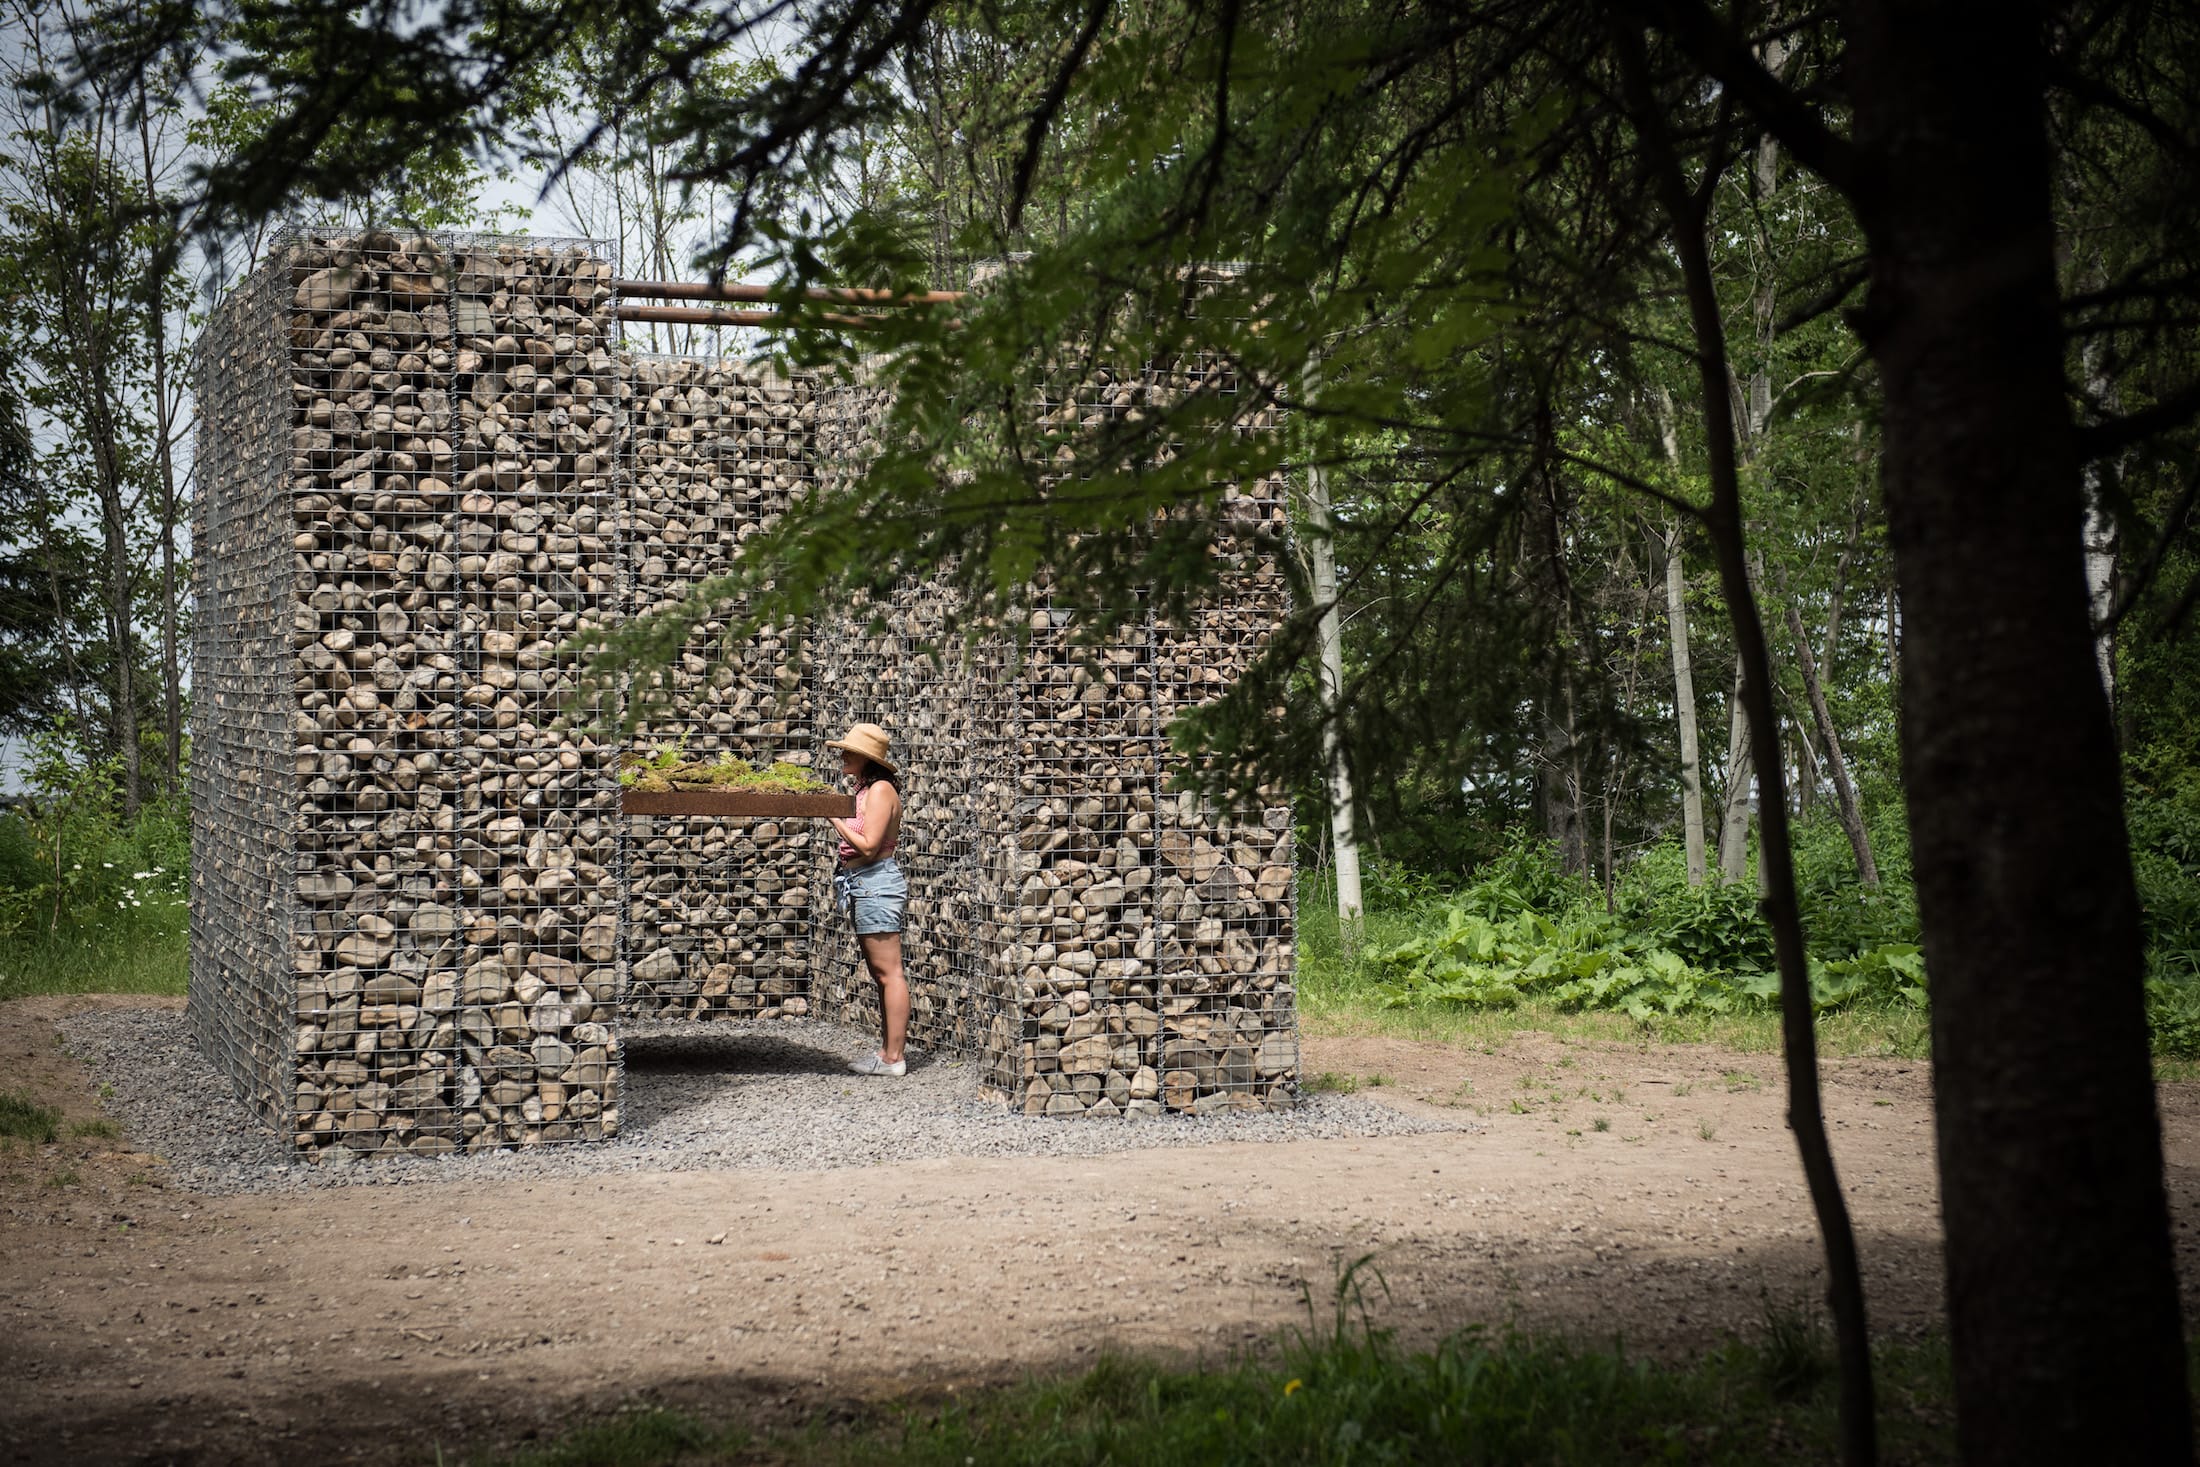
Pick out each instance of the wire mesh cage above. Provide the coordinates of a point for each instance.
(244, 774)
(720, 912)
(419, 917)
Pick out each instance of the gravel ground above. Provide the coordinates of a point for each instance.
(700, 1097)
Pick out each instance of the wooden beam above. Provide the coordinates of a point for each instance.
(718, 316)
(682, 290)
(736, 804)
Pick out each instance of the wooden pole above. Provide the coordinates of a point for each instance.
(682, 290)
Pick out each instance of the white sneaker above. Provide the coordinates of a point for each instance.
(872, 1064)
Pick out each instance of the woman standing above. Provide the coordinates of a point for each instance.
(871, 888)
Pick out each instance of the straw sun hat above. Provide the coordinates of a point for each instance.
(869, 740)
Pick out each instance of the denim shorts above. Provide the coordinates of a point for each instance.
(874, 895)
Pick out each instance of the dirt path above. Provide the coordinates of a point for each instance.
(139, 1323)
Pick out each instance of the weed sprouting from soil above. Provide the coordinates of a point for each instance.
(1795, 1354)
(27, 1120)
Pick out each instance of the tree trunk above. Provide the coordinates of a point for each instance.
(2100, 536)
(1343, 835)
(1684, 707)
(1565, 819)
(1859, 508)
(1740, 776)
(1844, 792)
(1684, 677)
(1782, 910)
(92, 345)
(2062, 1296)
(1806, 772)
(156, 329)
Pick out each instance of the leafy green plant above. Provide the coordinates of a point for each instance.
(2165, 858)
(1395, 887)
(664, 770)
(1891, 973)
(1585, 960)
(89, 899)
(2173, 1017)
(1715, 926)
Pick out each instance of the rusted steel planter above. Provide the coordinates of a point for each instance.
(737, 804)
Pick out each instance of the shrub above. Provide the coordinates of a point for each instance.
(89, 900)
(1714, 926)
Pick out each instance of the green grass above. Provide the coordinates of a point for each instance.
(1352, 1396)
(24, 1119)
(75, 962)
(100, 1128)
(1346, 997)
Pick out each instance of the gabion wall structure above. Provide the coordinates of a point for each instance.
(244, 800)
(409, 452)
(1106, 943)
(418, 916)
(720, 920)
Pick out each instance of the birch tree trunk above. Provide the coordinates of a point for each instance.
(1844, 791)
(1740, 775)
(1343, 833)
(1684, 707)
(2100, 535)
(1684, 676)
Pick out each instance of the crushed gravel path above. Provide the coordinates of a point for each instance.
(700, 1097)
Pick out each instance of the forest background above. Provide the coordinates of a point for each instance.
(1539, 722)
(1563, 302)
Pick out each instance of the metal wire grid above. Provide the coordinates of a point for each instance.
(372, 707)
(457, 857)
(896, 665)
(1075, 840)
(886, 677)
(240, 1010)
(720, 913)
(1185, 943)
(448, 852)
(536, 430)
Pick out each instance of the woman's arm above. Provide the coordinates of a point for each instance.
(884, 810)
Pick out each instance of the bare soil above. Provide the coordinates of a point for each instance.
(1646, 1193)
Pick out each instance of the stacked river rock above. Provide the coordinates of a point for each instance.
(719, 911)
(418, 916)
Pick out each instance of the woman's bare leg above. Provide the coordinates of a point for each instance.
(882, 955)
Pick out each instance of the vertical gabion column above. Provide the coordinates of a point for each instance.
(720, 912)
(243, 800)
(1224, 900)
(1001, 956)
(535, 430)
(374, 613)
